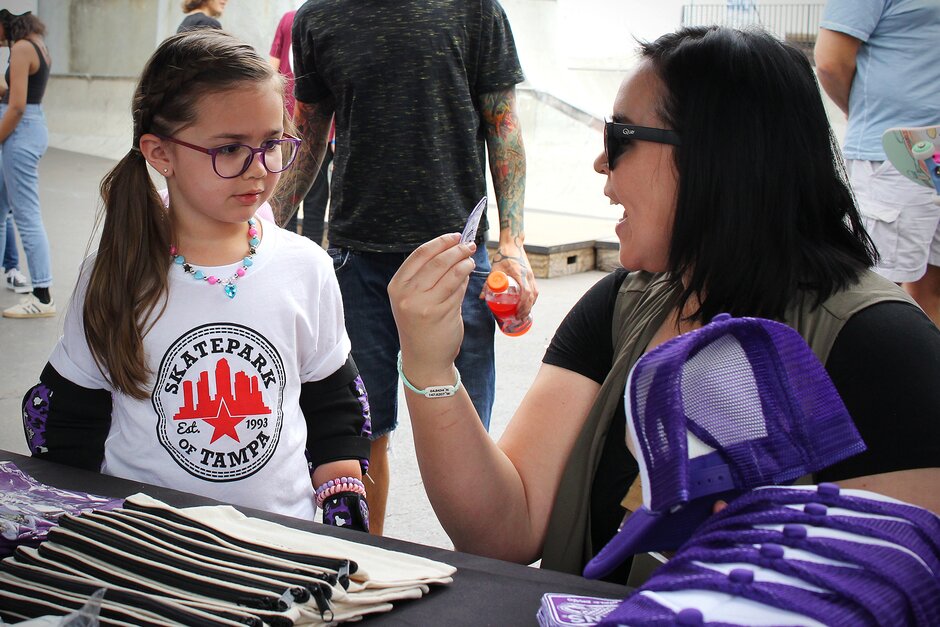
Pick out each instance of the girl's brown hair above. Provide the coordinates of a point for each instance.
(128, 284)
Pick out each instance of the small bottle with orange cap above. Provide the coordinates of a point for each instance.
(502, 297)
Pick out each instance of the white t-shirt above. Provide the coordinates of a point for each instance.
(223, 419)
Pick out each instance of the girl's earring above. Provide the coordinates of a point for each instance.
(165, 170)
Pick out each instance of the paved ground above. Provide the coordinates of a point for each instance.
(69, 197)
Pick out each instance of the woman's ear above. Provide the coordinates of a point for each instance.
(156, 154)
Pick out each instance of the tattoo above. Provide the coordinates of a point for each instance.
(499, 256)
(507, 158)
(313, 123)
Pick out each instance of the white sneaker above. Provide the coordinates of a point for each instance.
(30, 307)
(17, 282)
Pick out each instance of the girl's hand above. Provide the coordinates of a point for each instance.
(425, 295)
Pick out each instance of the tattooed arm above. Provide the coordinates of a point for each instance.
(507, 166)
(313, 127)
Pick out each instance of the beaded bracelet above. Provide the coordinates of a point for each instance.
(324, 496)
(335, 486)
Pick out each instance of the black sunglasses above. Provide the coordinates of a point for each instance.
(618, 136)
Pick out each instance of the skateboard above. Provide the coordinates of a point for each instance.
(915, 152)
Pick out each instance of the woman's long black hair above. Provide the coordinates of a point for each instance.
(764, 209)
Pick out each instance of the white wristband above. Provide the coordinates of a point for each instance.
(435, 391)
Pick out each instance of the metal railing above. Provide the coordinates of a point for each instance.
(795, 23)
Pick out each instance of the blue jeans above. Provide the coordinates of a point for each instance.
(363, 279)
(11, 256)
(19, 190)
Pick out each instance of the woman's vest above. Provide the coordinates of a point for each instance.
(643, 302)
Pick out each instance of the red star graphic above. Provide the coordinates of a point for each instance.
(224, 423)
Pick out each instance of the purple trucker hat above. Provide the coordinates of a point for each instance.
(737, 404)
(851, 558)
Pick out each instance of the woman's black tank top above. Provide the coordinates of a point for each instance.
(36, 87)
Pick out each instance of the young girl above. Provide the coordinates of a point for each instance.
(205, 348)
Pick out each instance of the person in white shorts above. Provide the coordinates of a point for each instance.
(868, 62)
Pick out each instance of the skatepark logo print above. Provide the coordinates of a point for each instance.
(218, 398)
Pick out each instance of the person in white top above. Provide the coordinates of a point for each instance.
(205, 348)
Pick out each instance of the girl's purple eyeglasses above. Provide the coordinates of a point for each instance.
(233, 160)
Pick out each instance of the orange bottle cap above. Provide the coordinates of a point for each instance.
(497, 281)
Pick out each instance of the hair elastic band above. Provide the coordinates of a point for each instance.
(338, 486)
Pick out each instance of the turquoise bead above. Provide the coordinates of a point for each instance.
(228, 287)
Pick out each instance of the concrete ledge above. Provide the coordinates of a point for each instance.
(558, 260)
(607, 254)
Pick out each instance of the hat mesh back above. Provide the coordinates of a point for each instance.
(749, 388)
(719, 393)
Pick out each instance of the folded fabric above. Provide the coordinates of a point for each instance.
(114, 606)
(378, 568)
(207, 566)
(59, 561)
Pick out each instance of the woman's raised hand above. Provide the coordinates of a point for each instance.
(426, 294)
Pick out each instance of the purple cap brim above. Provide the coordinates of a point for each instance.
(646, 531)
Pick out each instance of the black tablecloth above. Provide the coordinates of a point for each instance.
(484, 591)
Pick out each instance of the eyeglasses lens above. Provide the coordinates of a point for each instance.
(276, 155)
(613, 147)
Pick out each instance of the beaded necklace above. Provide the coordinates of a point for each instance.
(227, 284)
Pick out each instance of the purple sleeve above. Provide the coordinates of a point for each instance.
(66, 423)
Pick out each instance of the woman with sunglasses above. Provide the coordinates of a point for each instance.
(205, 348)
(733, 199)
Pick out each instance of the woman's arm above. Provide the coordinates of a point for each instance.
(919, 487)
(885, 363)
(492, 499)
(22, 55)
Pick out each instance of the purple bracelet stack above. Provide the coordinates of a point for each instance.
(338, 485)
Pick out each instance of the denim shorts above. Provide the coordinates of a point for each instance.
(363, 280)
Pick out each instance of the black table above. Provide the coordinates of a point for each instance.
(484, 591)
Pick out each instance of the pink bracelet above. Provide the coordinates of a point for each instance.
(338, 485)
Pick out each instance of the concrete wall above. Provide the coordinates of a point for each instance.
(579, 50)
(98, 49)
(575, 51)
(90, 114)
(115, 37)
